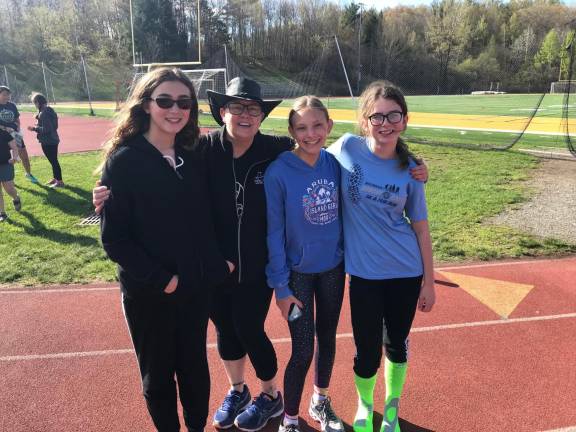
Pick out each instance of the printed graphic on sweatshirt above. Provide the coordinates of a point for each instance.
(259, 178)
(320, 202)
(239, 199)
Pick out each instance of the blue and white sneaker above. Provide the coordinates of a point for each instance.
(262, 409)
(234, 403)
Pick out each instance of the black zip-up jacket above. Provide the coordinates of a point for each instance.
(157, 223)
(47, 127)
(242, 239)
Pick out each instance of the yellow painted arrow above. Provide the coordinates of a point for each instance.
(500, 296)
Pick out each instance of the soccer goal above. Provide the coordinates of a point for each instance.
(207, 79)
(203, 79)
(564, 86)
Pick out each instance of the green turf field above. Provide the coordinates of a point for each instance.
(501, 105)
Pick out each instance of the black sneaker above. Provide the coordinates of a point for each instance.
(3, 217)
(262, 409)
(234, 403)
(323, 413)
(17, 204)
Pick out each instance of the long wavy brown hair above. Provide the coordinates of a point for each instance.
(133, 120)
(385, 90)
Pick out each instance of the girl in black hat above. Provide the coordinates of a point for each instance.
(237, 156)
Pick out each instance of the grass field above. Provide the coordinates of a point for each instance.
(44, 244)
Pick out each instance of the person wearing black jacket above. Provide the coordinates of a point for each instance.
(237, 156)
(156, 226)
(47, 134)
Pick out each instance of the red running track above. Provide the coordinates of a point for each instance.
(66, 362)
(77, 134)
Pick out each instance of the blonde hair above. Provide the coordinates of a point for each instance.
(133, 120)
(308, 101)
(384, 90)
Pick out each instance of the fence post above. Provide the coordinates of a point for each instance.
(87, 86)
(45, 84)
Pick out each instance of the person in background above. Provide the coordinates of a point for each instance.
(8, 157)
(305, 265)
(388, 250)
(156, 225)
(46, 129)
(10, 122)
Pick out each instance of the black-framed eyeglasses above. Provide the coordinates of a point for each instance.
(167, 103)
(238, 108)
(393, 117)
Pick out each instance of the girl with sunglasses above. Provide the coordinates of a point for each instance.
(388, 251)
(156, 226)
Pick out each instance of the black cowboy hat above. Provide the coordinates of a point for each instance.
(239, 89)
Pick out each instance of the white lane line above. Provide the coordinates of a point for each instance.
(66, 355)
(566, 429)
(288, 340)
(57, 290)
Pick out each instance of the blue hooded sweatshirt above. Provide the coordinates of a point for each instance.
(304, 219)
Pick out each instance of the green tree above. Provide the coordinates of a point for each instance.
(549, 53)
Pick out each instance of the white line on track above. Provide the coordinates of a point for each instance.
(566, 429)
(287, 340)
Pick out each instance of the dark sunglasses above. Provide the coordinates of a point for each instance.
(237, 108)
(167, 103)
(377, 119)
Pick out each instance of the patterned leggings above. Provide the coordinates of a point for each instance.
(328, 290)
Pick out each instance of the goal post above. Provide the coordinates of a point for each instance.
(203, 79)
(563, 86)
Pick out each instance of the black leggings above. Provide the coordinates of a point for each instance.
(238, 312)
(328, 289)
(51, 152)
(169, 337)
(382, 313)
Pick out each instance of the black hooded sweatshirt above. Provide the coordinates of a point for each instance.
(240, 223)
(157, 222)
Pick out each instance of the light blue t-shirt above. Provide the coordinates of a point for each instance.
(378, 198)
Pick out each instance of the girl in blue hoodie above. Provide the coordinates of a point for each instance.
(305, 248)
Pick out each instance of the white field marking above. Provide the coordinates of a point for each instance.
(439, 268)
(562, 106)
(566, 429)
(288, 340)
(528, 109)
(56, 290)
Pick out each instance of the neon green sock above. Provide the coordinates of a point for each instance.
(364, 413)
(395, 376)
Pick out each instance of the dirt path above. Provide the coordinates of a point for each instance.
(552, 210)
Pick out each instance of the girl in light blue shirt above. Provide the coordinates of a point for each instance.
(388, 251)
